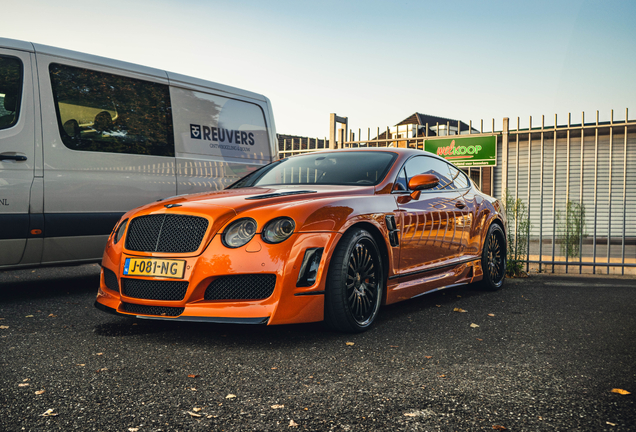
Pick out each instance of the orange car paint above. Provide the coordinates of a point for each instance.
(441, 236)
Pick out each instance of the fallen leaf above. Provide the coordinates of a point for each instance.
(499, 427)
(473, 325)
(459, 310)
(230, 396)
(442, 376)
(274, 368)
(25, 380)
(49, 413)
(193, 389)
(393, 346)
(293, 423)
(610, 423)
(410, 414)
(428, 357)
(39, 392)
(491, 314)
(194, 414)
(193, 376)
(100, 353)
(620, 391)
(278, 406)
(350, 343)
(480, 340)
(4, 327)
(81, 364)
(23, 385)
(53, 316)
(29, 316)
(196, 409)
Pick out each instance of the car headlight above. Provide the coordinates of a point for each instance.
(278, 230)
(239, 232)
(120, 231)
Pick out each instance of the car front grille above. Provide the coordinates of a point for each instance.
(241, 287)
(152, 310)
(110, 279)
(166, 233)
(154, 289)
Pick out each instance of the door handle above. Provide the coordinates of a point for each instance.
(15, 157)
(460, 205)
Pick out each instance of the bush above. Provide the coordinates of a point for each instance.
(518, 230)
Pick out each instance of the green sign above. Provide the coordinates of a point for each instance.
(465, 151)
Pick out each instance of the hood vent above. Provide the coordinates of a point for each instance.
(279, 194)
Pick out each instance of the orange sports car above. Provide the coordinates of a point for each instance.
(328, 236)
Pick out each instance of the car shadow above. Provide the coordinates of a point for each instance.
(209, 335)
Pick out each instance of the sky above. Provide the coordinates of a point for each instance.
(375, 62)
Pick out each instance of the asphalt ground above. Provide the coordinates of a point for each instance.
(546, 355)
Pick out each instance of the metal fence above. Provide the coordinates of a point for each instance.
(577, 181)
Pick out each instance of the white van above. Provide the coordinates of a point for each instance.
(83, 139)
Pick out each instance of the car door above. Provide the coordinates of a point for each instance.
(17, 151)
(108, 147)
(429, 226)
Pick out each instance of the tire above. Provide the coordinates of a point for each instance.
(355, 283)
(493, 259)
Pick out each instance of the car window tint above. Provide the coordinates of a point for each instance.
(342, 168)
(459, 178)
(429, 165)
(10, 90)
(101, 112)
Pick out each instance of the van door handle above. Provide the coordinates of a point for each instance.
(15, 157)
(460, 205)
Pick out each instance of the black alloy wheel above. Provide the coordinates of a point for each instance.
(355, 283)
(493, 259)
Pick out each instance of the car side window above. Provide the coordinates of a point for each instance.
(429, 165)
(400, 182)
(10, 91)
(459, 178)
(102, 112)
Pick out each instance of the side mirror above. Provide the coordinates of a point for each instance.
(422, 182)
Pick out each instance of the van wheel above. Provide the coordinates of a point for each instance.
(355, 283)
(493, 259)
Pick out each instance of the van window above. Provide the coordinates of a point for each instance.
(10, 90)
(101, 112)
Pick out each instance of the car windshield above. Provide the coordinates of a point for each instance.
(362, 168)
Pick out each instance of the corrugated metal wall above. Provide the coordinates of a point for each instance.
(546, 172)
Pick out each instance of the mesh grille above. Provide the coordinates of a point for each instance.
(166, 233)
(110, 279)
(241, 287)
(152, 310)
(154, 289)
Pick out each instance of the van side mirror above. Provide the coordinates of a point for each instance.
(422, 182)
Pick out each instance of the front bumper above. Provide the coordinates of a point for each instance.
(287, 304)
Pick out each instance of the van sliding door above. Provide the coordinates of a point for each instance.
(108, 147)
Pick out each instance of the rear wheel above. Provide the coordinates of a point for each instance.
(493, 259)
(354, 284)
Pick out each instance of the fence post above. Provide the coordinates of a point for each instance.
(504, 156)
(333, 121)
